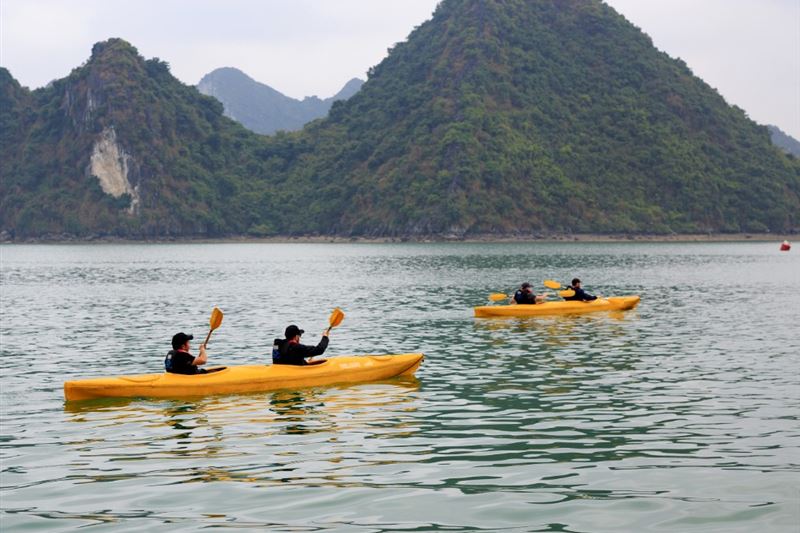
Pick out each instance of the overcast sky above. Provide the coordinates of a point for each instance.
(749, 50)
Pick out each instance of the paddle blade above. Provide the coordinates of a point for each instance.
(497, 296)
(550, 284)
(336, 317)
(567, 293)
(216, 319)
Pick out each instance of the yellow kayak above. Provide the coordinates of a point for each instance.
(618, 303)
(247, 378)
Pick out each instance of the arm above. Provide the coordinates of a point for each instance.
(585, 296)
(311, 351)
(202, 358)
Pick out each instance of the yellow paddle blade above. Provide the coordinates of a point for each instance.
(216, 318)
(336, 317)
(567, 293)
(550, 284)
(497, 296)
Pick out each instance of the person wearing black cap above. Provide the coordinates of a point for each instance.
(180, 361)
(289, 351)
(525, 295)
(580, 294)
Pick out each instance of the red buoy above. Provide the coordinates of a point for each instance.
(785, 246)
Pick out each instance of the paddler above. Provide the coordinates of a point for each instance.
(180, 361)
(525, 295)
(289, 351)
(580, 294)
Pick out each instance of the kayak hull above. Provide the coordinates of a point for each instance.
(246, 378)
(614, 303)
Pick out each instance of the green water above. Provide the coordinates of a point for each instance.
(681, 415)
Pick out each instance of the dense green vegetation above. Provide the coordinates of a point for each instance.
(262, 109)
(496, 116)
(189, 161)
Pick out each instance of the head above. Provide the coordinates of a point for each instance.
(293, 333)
(180, 341)
(576, 282)
(526, 287)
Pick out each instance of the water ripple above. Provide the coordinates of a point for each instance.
(681, 415)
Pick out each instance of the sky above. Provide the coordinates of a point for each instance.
(749, 50)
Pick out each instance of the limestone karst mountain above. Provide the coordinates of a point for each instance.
(494, 117)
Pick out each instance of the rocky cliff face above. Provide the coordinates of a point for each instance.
(110, 163)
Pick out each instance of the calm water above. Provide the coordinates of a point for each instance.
(681, 415)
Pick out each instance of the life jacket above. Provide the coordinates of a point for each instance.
(277, 345)
(168, 361)
(522, 297)
(279, 348)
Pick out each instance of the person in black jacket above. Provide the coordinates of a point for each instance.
(289, 351)
(180, 361)
(525, 295)
(580, 294)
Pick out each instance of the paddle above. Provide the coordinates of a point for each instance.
(335, 319)
(497, 296)
(556, 286)
(216, 320)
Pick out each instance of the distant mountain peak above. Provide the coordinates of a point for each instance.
(263, 109)
(113, 46)
(784, 141)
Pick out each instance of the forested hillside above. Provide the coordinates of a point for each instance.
(513, 116)
(495, 117)
(171, 164)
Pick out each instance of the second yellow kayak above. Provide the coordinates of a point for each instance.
(614, 303)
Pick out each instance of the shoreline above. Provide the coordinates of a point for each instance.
(319, 239)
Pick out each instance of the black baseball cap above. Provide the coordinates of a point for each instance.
(179, 339)
(293, 330)
(526, 285)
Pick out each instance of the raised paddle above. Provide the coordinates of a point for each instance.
(216, 320)
(335, 319)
